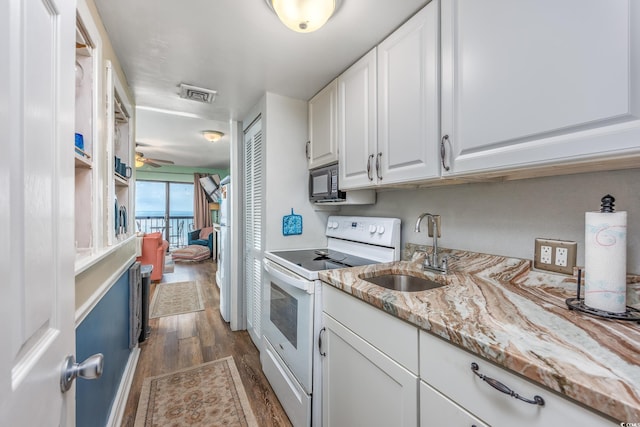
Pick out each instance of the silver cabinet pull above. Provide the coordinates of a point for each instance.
(378, 166)
(537, 400)
(369, 167)
(90, 369)
(322, 331)
(443, 151)
(306, 150)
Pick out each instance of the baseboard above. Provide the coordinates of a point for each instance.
(120, 401)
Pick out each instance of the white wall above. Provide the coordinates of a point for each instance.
(285, 127)
(504, 218)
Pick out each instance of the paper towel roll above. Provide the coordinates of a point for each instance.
(606, 261)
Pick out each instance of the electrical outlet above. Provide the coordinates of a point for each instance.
(561, 257)
(545, 254)
(558, 256)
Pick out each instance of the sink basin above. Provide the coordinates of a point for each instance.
(403, 282)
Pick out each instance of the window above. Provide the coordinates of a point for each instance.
(165, 207)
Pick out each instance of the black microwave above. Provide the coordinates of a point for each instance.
(323, 185)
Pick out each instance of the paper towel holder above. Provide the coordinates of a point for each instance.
(631, 314)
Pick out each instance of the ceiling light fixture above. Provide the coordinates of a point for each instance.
(303, 16)
(172, 112)
(212, 135)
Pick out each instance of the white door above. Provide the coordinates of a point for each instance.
(36, 210)
(538, 82)
(408, 101)
(357, 141)
(253, 223)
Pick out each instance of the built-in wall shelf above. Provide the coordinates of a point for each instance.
(83, 161)
(120, 161)
(86, 139)
(121, 181)
(86, 258)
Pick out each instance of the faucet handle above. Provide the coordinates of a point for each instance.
(433, 221)
(426, 262)
(444, 265)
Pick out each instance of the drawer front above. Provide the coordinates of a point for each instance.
(447, 369)
(392, 336)
(436, 410)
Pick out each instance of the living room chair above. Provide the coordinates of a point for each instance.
(154, 249)
(203, 237)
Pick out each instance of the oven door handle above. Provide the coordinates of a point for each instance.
(286, 277)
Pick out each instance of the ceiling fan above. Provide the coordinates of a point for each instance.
(141, 160)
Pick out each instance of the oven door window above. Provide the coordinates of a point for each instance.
(283, 314)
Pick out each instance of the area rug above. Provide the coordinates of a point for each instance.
(208, 395)
(176, 298)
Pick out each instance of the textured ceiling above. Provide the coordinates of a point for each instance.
(238, 48)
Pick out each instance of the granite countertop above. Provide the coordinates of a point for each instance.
(501, 309)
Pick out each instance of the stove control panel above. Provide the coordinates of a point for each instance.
(371, 230)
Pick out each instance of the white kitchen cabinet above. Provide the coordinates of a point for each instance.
(538, 83)
(362, 383)
(388, 108)
(377, 369)
(357, 139)
(322, 147)
(363, 386)
(408, 102)
(447, 369)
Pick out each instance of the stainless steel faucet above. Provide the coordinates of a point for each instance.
(433, 262)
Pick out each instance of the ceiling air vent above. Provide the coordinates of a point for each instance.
(197, 93)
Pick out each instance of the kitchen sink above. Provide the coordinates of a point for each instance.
(403, 282)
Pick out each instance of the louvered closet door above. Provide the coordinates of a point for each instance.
(253, 208)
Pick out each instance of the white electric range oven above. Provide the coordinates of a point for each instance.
(292, 307)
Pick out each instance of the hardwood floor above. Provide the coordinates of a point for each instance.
(185, 340)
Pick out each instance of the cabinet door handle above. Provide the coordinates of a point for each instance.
(378, 166)
(537, 400)
(369, 160)
(306, 150)
(322, 353)
(443, 151)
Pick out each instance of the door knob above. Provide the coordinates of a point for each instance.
(90, 369)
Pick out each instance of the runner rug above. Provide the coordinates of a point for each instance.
(208, 395)
(176, 298)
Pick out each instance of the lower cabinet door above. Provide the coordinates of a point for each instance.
(361, 385)
(436, 410)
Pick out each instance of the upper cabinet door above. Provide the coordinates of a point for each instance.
(322, 148)
(538, 82)
(408, 103)
(357, 140)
